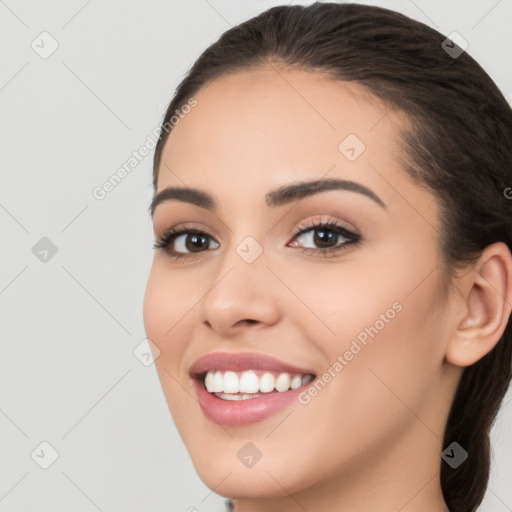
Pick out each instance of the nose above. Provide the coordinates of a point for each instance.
(241, 295)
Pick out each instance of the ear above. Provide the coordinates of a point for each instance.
(485, 307)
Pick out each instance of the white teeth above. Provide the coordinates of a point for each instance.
(249, 382)
(244, 385)
(296, 382)
(283, 382)
(231, 383)
(209, 382)
(218, 382)
(239, 396)
(267, 382)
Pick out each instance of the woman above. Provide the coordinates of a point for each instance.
(332, 282)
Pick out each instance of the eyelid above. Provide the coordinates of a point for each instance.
(165, 225)
(327, 220)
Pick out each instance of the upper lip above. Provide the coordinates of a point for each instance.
(223, 361)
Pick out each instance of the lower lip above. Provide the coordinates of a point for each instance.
(236, 413)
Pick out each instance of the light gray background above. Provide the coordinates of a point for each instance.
(70, 325)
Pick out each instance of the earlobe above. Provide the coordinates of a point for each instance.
(486, 308)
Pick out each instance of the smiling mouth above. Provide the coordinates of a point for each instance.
(250, 384)
(239, 389)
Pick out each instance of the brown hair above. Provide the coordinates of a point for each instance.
(459, 147)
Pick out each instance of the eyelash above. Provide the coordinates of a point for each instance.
(353, 239)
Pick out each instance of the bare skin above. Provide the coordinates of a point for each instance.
(371, 439)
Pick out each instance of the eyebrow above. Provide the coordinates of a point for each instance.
(278, 197)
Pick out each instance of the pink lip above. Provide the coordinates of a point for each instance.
(242, 412)
(223, 361)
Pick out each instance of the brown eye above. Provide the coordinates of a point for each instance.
(326, 237)
(179, 243)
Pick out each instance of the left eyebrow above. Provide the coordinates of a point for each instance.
(278, 197)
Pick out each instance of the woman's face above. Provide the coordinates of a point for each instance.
(251, 302)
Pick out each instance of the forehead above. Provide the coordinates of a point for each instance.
(268, 126)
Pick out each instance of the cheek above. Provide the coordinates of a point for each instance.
(386, 329)
(162, 307)
(164, 317)
(338, 302)
(154, 307)
(162, 312)
(398, 345)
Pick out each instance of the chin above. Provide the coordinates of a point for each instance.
(246, 482)
(224, 470)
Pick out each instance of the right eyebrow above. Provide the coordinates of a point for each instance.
(288, 193)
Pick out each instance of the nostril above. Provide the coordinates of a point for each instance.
(247, 321)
